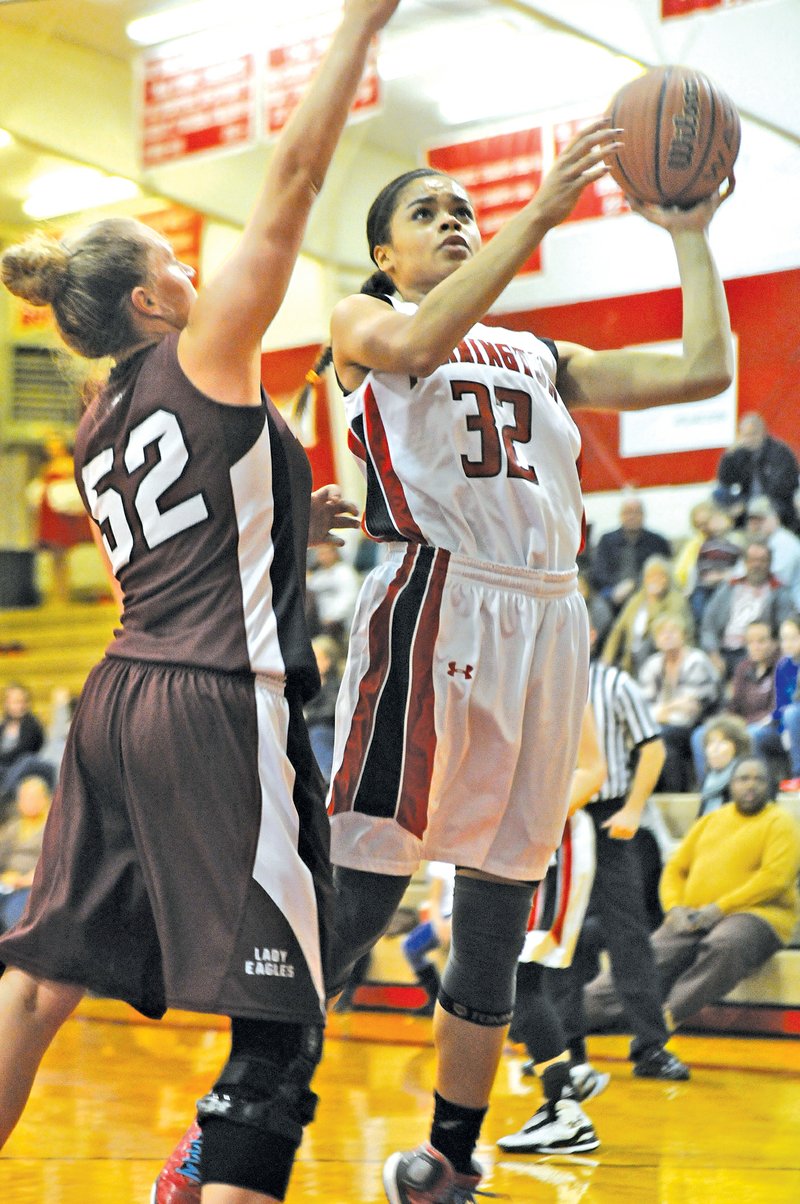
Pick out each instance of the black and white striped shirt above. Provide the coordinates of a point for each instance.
(624, 722)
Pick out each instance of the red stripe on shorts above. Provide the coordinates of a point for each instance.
(420, 730)
(375, 436)
(536, 909)
(345, 783)
(565, 882)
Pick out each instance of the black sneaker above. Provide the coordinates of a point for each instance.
(661, 1064)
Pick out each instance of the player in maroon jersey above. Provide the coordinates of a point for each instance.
(186, 860)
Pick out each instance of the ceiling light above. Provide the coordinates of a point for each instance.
(175, 22)
(251, 15)
(72, 189)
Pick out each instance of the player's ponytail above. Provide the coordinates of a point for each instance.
(378, 285)
(309, 389)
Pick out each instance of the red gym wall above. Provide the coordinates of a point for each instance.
(765, 315)
(284, 374)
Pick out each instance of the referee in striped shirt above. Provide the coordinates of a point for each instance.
(634, 753)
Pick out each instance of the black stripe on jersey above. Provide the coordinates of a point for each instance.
(381, 779)
(377, 516)
(623, 722)
(549, 343)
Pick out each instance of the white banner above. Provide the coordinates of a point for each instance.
(687, 426)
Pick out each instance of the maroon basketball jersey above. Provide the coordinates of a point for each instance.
(203, 509)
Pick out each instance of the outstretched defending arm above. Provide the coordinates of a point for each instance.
(219, 349)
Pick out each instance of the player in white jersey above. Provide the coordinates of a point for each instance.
(460, 707)
(461, 476)
(192, 730)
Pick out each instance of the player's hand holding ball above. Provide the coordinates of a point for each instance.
(681, 137)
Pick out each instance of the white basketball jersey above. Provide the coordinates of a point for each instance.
(480, 458)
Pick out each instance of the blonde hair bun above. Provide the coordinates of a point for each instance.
(35, 270)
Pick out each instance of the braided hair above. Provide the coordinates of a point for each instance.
(309, 389)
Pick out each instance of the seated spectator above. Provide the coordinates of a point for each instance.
(736, 603)
(730, 899)
(21, 733)
(320, 711)
(684, 569)
(332, 586)
(616, 563)
(680, 684)
(630, 640)
(750, 695)
(47, 761)
(367, 554)
(725, 740)
(782, 733)
(763, 522)
(20, 847)
(757, 465)
(718, 558)
(601, 616)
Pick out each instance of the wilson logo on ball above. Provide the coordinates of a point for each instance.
(682, 146)
(681, 136)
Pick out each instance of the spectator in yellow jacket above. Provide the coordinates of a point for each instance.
(730, 898)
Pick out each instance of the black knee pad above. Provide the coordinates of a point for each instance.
(365, 904)
(489, 923)
(266, 1085)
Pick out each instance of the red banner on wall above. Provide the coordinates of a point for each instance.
(289, 68)
(681, 8)
(211, 92)
(602, 198)
(500, 172)
(284, 375)
(196, 95)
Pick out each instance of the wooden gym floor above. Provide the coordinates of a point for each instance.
(114, 1094)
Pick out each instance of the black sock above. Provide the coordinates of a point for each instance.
(455, 1131)
(577, 1050)
(557, 1083)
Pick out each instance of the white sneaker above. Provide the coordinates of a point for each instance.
(559, 1128)
(586, 1081)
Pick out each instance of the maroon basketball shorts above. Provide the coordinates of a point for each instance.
(185, 860)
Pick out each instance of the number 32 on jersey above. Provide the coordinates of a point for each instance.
(495, 434)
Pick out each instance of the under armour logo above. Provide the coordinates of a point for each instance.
(453, 668)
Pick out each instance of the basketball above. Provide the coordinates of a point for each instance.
(681, 135)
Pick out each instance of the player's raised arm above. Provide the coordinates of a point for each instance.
(219, 347)
(635, 380)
